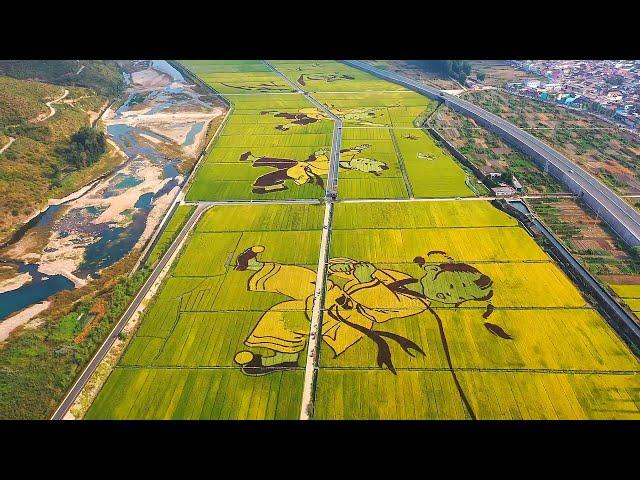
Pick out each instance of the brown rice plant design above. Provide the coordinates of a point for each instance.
(264, 87)
(309, 170)
(359, 297)
(327, 77)
(306, 116)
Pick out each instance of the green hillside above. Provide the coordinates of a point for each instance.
(36, 165)
(103, 76)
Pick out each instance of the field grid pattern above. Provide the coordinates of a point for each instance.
(275, 144)
(443, 309)
(180, 364)
(562, 360)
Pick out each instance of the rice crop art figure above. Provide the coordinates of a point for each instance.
(327, 77)
(351, 159)
(310, 170)
(359, 299)
(263, 87)
(358, 296)
(361, 116)
(304, 116)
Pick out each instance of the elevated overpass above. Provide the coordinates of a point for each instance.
(621, 217)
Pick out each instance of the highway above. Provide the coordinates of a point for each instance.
(616, 212)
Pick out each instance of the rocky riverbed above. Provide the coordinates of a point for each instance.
(158, 129)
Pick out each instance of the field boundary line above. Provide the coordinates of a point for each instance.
(585, 307)
(550, 371)
(405, 175)
(543, 371)
(423, 199)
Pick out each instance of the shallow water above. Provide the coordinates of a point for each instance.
(40, 288)
(165, 67)
(191, 136)
(109, 242)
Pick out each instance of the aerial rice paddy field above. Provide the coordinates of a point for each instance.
(276, 143)
(561, 361)
(259, 152)
(180, 363)
(443, 309)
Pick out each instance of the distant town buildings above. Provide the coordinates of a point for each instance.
(610, 88)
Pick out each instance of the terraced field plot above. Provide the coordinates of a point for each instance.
(180, 364)
(543, 353)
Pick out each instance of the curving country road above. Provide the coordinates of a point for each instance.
(614, 210)
(52, 111)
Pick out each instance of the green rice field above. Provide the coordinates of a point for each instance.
(562, 360)
(175, 224)
(181, 360)
(437, 305)
(282, 130)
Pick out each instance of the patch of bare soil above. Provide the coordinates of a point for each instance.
(149, 79)
(594, 236)
(501, 150)
(480, 142)
(621, 279)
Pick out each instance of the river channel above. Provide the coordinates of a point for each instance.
(163, 120)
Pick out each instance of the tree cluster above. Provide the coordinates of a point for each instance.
(459, 70)
(85, 147)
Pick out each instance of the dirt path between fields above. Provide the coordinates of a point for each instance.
(11, 140)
